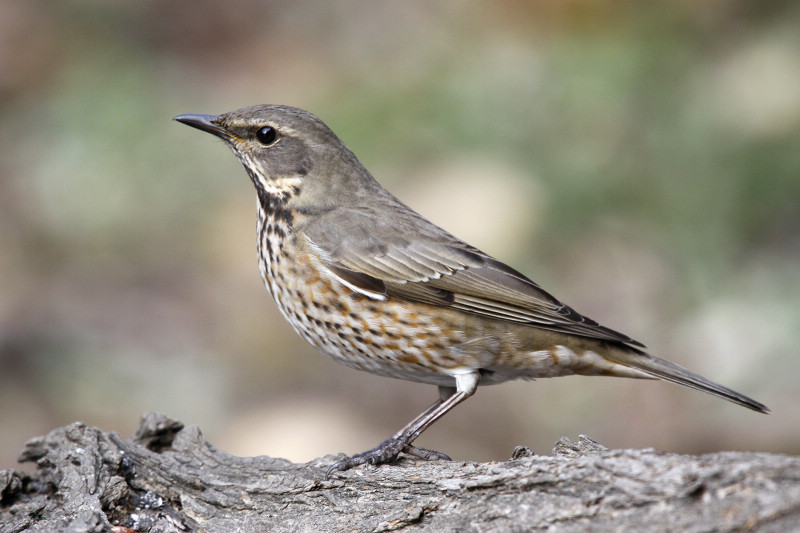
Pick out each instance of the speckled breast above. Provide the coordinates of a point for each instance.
(387, 337)
(398, 338)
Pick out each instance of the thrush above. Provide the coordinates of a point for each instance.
(377, 287)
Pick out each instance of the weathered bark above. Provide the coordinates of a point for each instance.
(168, 478)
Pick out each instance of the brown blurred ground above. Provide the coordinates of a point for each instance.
(640, 162)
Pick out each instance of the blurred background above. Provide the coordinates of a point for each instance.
(641, 161)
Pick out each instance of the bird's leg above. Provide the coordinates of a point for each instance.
(423, 453)
(388, 450)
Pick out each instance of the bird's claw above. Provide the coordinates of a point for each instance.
(426, 454)
(385, 452)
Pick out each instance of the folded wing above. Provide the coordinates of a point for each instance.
(416, 260)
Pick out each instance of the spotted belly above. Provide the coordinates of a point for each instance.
(412, 340)
(390, 338)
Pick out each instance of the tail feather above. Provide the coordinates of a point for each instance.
(662, 369)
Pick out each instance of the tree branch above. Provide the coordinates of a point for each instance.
(168, 478)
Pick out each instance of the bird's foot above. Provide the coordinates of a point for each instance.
(426, 454)
(384, 453)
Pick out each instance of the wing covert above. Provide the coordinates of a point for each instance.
(439, 269)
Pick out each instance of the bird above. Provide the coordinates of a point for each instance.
(377, 287)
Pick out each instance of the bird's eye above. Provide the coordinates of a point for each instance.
(267, 135)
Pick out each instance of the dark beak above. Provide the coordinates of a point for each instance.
(207, 123)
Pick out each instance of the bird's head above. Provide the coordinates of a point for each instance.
(283, 148)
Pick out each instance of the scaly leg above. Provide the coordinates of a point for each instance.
(388, 450)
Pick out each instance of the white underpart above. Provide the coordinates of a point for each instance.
(466, 380)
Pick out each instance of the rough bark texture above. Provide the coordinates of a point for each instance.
(167, 478)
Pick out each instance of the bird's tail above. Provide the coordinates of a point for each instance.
(662, 369)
